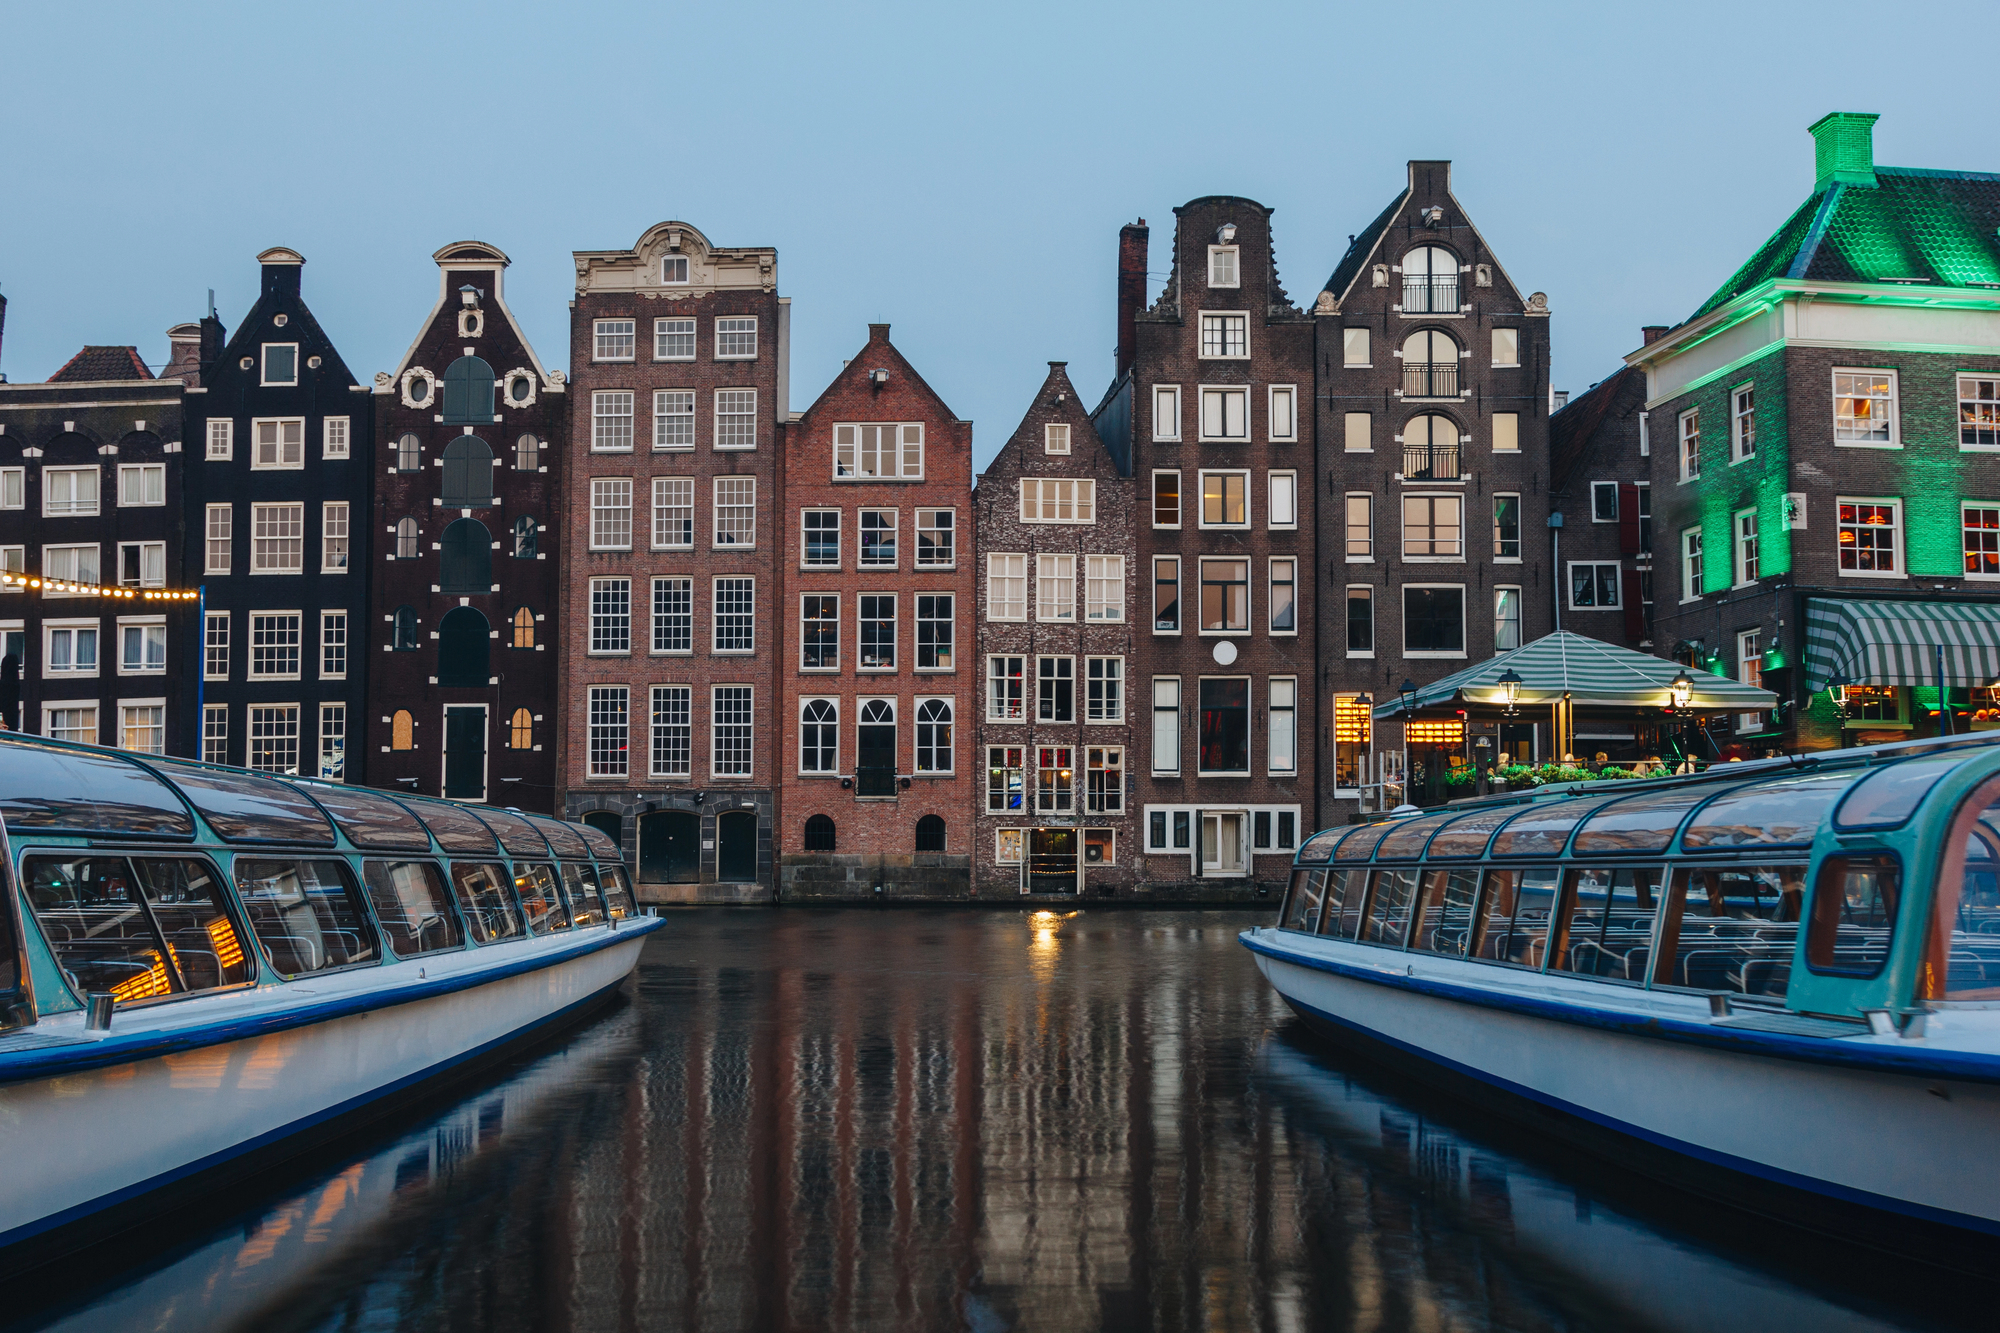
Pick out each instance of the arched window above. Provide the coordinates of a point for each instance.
(1430, 365)
(524, 537)
(930, 833)
(406, 539)
(521, 735)
(467, 562)
(819, 834)
(465, 648)
(1430, 449)
(409, 454)
(468, 391)
(877, 712)
(1430, 281)
(405, 640)
(934, 736)
(524, 628)
(527, 453)
(403, 731)
(819, 730)
(468, 473)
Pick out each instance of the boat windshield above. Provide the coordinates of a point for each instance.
(1783, 812)
(1541, 830)
(1639, 823)
(374, 823)
(242, 807)
(54, 790)
(517, 835)
(1887, 797)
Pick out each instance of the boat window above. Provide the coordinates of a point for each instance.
(1786, 812)
(585, 907)
(1444, 913)
(1854, 912)
(1962, 947)
(45, 788)
(1888, 796)
(1731, 928)
(1468, 834)
(1408, 837)
(1541, 830)
(244, 808)
(617, 891)
(1320, 846)
(1390, 912)
(373, 822)
(517, 835)
(562, 837)
(1640, 823)
(307, 914)
(411, 904)
(1362, 845)
(541, 898)
(1346, 895)
(1303, 902)
(139, 930)
(486, 900)
(1607, 925)
(1514, 915)
(456, 830)
(600, 843)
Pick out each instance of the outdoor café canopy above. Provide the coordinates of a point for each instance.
(1854, 642)
(1594, 675)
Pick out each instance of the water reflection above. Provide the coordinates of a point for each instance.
(953, 1119)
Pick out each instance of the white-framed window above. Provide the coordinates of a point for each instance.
(1594, 585)
(13, 488)
(333, 742)
(1360, 620)
(1055, 587)
(1223, 266)
(1282, 414)
(1166, 498)
(937, 539)
(1104, 588)
(1864, 409)
(1225, 596)
(1979, 411)
(13, 560)
(1006, 587)
(1222, 726)
(69, 647)
(274, 738)
(673, 339)
(736, 338)
(1506, 347)
(1004, 700)
(1979, 520)
(1055, 438)
(1358, 432)
(608, 717)
(1603, 502)
(1360, 527)
(1104, 689)
(333, 645)
(70, 721)
(221, 439)
(1434, 620)
(1507, 526)
(1058, 500)
(934, 747)
(613, 339)
(409, 454)
(220, 528)
(672, 748)
(673, 418)
(819, 538)
(1225, 413)
(819, 736)
(281, 363)
(1870, 537)
(1282, 708)
(735, 614)
(142, 726)
(142, 647)
(1225, 336)
(1354, 348)
(71, 564)
(673, 513)
(735, 512)
(1283, 508)
(1506, 432)
(1434, 527)
(1166, 411)
(1283, 594)
(274, 645)
(1750, 670)
(1166, 725)
(1430, 281)
(876, 620)
(277, 538)
(139, 484)
(1055, 779)
(215, 646)
(935, 622)
(735, 418)
(1225, 500)
(611, 513)
(878, 538)
(1743, 423)
(878, 451)
(674, 270)
(1690, 429)
(1506, 618)
(1166, 594)
(1690, 564)
(1743, 529)
(732, 724)
(610, 616)
(278, 444)
(611, 421)
(1006, 792)
(69, 492)
(819, 631)
(333, 537)
(1104, 779)
(142, 564)
(673, 615)
(334, 438)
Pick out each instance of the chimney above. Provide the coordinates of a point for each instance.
(1844, 150)
(1651, 333)
(212, 339)
(1133, 239)
(3, 329)
(281, 271)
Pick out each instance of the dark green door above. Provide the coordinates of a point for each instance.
(875, 758)
(670, 847)
(736, 846)
(465, 754)
(610, 824)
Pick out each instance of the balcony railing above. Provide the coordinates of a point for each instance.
(875, 780)
(1430, 379)
(1430, 296)
(1437, 463)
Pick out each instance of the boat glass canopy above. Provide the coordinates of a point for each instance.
(243, 807)
(1640, 823)
(1782, 812)
(1362, 844)
(1541, 830)
(1408, 837)
(457, 830)
(562, 837)
(1888, 797)
(600, 842)
(517, 835)
(53, 790)
(1469, 833)
(371, 822)
(1320, 846)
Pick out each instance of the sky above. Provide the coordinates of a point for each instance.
(958, 171)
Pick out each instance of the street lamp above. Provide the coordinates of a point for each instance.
(1510, 688)
(1409, 693)
(1681, 691)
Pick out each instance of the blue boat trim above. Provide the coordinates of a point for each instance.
(1810, 1184)
(1913, 1063)
(165, 1178)
(113, 1050)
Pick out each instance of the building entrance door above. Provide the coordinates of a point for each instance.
(465, 753)
(1222, 843)
(610, 824)
(736, 846)
(1052, 865)
(670, 847)
(875, 750)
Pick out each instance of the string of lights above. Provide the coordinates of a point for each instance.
(72, 588)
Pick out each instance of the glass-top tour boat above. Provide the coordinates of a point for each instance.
(203, 969)
(1776, 982)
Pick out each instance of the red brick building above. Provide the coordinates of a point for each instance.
(672, 598)
(1058, 560)
(877, 762)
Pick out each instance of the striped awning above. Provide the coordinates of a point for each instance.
(1897, 643)
(1594, 674)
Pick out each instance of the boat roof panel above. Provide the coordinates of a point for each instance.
(372, 822)
(562, 837)
(247, 807)
(1645, 823)
(1541, 830)
(1887, 797)
(1408, 837)
(1781, 812)
(1469, 833)
(517, 835)
(1362, 845)
(456, 829)
(51, 790)
(600, 842)
(1319, 847)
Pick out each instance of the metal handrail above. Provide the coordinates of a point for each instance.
(1430, 296)
(1430, 379)
(1436, 463)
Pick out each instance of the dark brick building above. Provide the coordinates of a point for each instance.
(1058, 555)
(879, 774)
(673, 591)
(1210, 400)
(464, 634)
(1433, 400)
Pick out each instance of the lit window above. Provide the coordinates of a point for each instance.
(1982, 540)
(614, 339)
(1166, 499)
(1225, 596)
(1055, 780)
(1864, 407)
(71, 724)
(1225, 500)
(1433, 527)
(1224, 724)
(1978, 412)
(1869, 533)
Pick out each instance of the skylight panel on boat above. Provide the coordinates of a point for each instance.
(456, 830)
(1408, 837)
(1887, 797)
(1362, 845)
(1640, 823)
(1785, 812)
(244, 808)
(1320, 846)
(561, 837)
(372, 822)
(1468, 834)
(517, 835)
(64, 789)
(1541, 830)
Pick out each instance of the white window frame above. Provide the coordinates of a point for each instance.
(142, 623)
(944, 652)
(832, 768)
(1359, 425)
(1965, 550)
(335, 535)
(157, 549)
(1281, 404)
(658, 733)
(950, 705)
(1617, 583)
(1500, 592)
(1055, 669)
(608, 632)
(90, 706)
(1506, 432)
(1201, 500)
(1690, 460)
(1167, 413)
(716, 530)
(1693, 563)
(603, 520)
(665, 491)
(1228, 261)
(1055, 438)
(73, 508)
(1180, 499)
(13, 488)
(50, 628)
(259, 564)
(298, 629)
(1104, 589)
(655, 619)
(127, 707)
(715, 615)
(715, 728)
(1985, 410)
(1223, 394)
(1281, 496)
(605, 336)
(331, 624)
(1515, 558)
(1899, 537)
(215, 733)
(662, 417)
(1742, 423)
(1744, 547)
(719, 333)
(1002, 568)
(1750, 671)
(1110, 670)
(1427, 654)
(1271, 596)
(917, 551)
(1281, 699)
(1055, 588)
(607, 435)
(610, 695)
(53, 558)
(1347, 600)
(1511, 339)
(839, 538)
(1596, 488)
(221, 440)
(1895, 440)
(1347, 526)
(215, 646)
(335, 437)
(277, 461)
(838, 628)
(996, 687)
(1044, 495)
(665, 327)
(1403, 513)
(1219, 319)
(141, 473)
(264, 365)
(1180, 600)
(675, 270)
(847, 451)
(895, 537)
(730, 426)
(1352, 339)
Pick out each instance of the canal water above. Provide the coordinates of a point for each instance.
(935, 1119)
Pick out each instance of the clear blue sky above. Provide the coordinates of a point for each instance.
(960, 171)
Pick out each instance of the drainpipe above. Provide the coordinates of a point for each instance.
(1555, 573)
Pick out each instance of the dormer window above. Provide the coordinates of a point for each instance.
(1222, 266)
(1430, 281)
(281, 363)
(674, 270)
